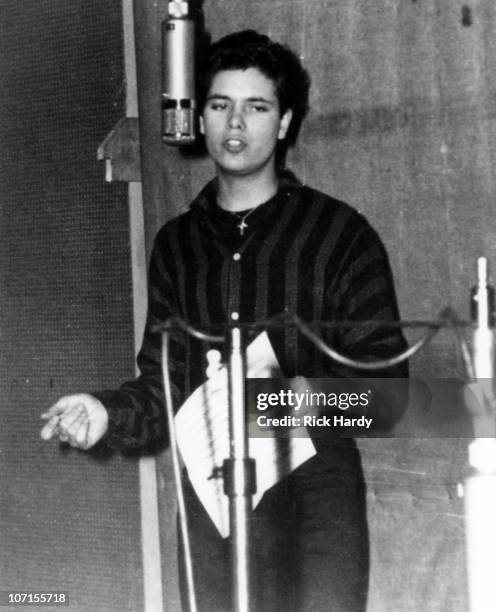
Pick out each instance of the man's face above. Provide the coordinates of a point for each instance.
(241, 122)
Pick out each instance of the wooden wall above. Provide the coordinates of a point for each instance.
(402, 126)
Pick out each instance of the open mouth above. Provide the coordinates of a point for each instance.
(234, 145)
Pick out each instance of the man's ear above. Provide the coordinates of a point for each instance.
(284, 125)
(202, 125)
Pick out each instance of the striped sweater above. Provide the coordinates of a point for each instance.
(304, 253)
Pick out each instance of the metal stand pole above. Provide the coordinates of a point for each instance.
(176, 464)
(480, 486)
(239, 477)
(480, 511)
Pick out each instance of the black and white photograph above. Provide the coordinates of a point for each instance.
(247, 314)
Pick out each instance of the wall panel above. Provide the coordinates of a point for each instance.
(69, 521)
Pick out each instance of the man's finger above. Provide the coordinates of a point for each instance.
(69, 423)
(50, 428)
(57, 409)
(74, 429)
(81, 436)
(70, 417)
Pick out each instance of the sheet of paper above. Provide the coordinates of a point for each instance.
(202, 429)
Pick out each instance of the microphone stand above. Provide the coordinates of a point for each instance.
(239, 476)
(238, 471)
(480, 485)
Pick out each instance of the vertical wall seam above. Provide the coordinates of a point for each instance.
(150, 535)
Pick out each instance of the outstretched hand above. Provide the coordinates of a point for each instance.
(80, 419)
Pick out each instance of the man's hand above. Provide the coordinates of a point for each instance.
(81, 420)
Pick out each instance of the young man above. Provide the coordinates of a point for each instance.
(254, 244)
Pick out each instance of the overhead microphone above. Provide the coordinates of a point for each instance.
(178, 66)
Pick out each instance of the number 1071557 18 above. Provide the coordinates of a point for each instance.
(30, 598)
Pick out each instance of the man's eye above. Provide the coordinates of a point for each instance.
(218, 105)
(259, 108)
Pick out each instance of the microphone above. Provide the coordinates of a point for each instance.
(178, 65)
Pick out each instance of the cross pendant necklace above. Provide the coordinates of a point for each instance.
(242, 225)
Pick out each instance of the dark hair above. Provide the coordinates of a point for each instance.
(249, 49)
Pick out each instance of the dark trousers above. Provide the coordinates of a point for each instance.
(310, 548)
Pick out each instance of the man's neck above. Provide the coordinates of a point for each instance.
(240, 193)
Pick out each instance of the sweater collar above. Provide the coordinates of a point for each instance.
(207, 196)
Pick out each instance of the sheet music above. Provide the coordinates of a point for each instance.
(202, 430)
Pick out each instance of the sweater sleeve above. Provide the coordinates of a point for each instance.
(137, 419)
(365, 292)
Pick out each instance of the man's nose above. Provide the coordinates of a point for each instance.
(236, 119)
